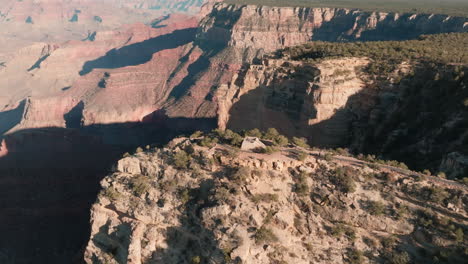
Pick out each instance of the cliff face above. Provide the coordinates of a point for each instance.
(247, 207)
(272, 28)
(119, 85)
(310, 100)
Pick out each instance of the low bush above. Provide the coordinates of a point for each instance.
(301, 155)
(376, 208)
(254, 133)
(111, 193)
(181, 160)
(265, 235)
(343, 178)
(355, 256)
(140, 185)
(301, 187)
(264, 197)
(300, 142)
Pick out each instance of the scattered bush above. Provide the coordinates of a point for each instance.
(196, 134)
(343, 178)
(301, 155)
(459, 235)
(254, 133)
(241, 175)
(264, 236)
(328, 156)
(181, 160)
(196, 260)
(355, 256)
(376, 208)
(281, 141)
(341, 229)
(389, 242)
(184, 195)
(435, 194)
(301, 187)
(140, 185)
(300, 142)
(266, 150)
(265, 197)
(236, 140)
(271, 134)
(208, 142)
(111, 193)
(427, 172)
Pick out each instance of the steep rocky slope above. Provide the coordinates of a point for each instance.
(219, 205)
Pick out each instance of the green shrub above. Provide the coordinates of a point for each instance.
(181, 160)
(459, 235)
(196, 260)
(281, 141)
(266, 150)
(355, 256)
(264, 197)
(184, 195)
(435, 194)
(301, 155)
(301, 187)
(111, 193)
(389, 242)
(208, 142)
(343, 178)
(196, 134)
(264, 236)
(241, 175)
(376, 208)
(341, 229)
(139, 185)
(271, 134)
(328, 156)
(254, 133)
(236, 140)
(300, 142)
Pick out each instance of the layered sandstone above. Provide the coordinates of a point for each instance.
(298, 98)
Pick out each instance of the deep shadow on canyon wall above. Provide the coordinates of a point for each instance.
(418, 121)
(50, 178)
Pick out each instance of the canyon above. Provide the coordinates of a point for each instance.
(105, 79)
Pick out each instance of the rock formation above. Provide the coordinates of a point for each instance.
(225, 206)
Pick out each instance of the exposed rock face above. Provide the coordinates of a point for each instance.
(297, 98)
(118, 85)
(272, 28)
(259, 208)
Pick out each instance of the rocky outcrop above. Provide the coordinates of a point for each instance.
(259, 208)
(298, 98)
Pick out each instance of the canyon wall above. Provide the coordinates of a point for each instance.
(120, 85)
